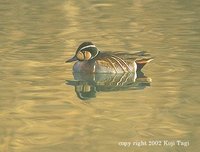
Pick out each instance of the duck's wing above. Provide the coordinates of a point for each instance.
(126, 59)
(140, 58)
(114, 62)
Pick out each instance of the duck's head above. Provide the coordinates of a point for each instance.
(85, 52)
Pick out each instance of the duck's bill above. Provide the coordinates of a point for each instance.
(72, 59)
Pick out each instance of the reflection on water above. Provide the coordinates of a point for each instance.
(87, 85)
(40, 113)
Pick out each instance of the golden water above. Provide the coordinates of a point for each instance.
(40, 110)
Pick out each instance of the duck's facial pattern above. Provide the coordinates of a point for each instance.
(80, 56)
(84, 55)
(86, 51)
(87, 55)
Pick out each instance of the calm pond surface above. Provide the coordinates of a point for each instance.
(45, 108)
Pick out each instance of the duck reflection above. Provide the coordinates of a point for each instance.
(88, 85)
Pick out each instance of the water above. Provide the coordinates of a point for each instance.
(40, 110)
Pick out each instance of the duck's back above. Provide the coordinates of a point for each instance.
(109, 63)
(120, 62)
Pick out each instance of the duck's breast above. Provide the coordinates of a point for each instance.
(83, 67)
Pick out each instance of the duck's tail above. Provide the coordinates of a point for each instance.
(141, 62)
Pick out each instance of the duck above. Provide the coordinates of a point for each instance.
(89, 59)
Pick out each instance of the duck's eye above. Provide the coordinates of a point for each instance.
(80, 56)
(87, 55)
